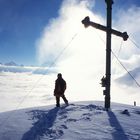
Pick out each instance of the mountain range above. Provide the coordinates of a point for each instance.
(11, 63)
(16, 68)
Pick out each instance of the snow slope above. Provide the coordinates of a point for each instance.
(78, 121)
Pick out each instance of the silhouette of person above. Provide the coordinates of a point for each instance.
(60, 87)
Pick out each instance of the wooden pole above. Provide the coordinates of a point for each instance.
(108, 53)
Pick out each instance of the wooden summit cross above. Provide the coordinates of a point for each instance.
(105, 81)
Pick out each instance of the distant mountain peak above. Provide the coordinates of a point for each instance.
(11, 63)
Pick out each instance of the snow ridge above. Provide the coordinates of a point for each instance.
(78, 121)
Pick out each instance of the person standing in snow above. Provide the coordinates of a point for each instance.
(60, 87)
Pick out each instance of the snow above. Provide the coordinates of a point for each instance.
(28, 112)
(78, 121)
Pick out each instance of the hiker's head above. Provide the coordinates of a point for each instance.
(59, 75)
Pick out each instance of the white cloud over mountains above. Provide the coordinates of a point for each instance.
(26, 69)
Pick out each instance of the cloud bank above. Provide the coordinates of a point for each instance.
(83, 60)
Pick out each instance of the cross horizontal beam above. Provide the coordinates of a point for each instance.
(86, 21)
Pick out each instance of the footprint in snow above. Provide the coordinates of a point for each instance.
(71, 120)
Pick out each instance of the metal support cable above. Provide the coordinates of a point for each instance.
(120, 48)
(125, 68)
(57, 57)
(121, 62)
(135, 44)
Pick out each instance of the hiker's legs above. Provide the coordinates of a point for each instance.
(65, 100)
(58, 101)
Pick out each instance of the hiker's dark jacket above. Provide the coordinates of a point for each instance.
(60, 87)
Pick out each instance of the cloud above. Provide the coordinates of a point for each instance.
(60, 30)
(83, 60)
(84, 56)
(129, 17)
(128, 20)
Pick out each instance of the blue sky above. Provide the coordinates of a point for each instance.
(23, 21)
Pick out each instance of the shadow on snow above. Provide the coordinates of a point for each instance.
(118, 133)
(43, 126)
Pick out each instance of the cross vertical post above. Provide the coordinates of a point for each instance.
(108, 53)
